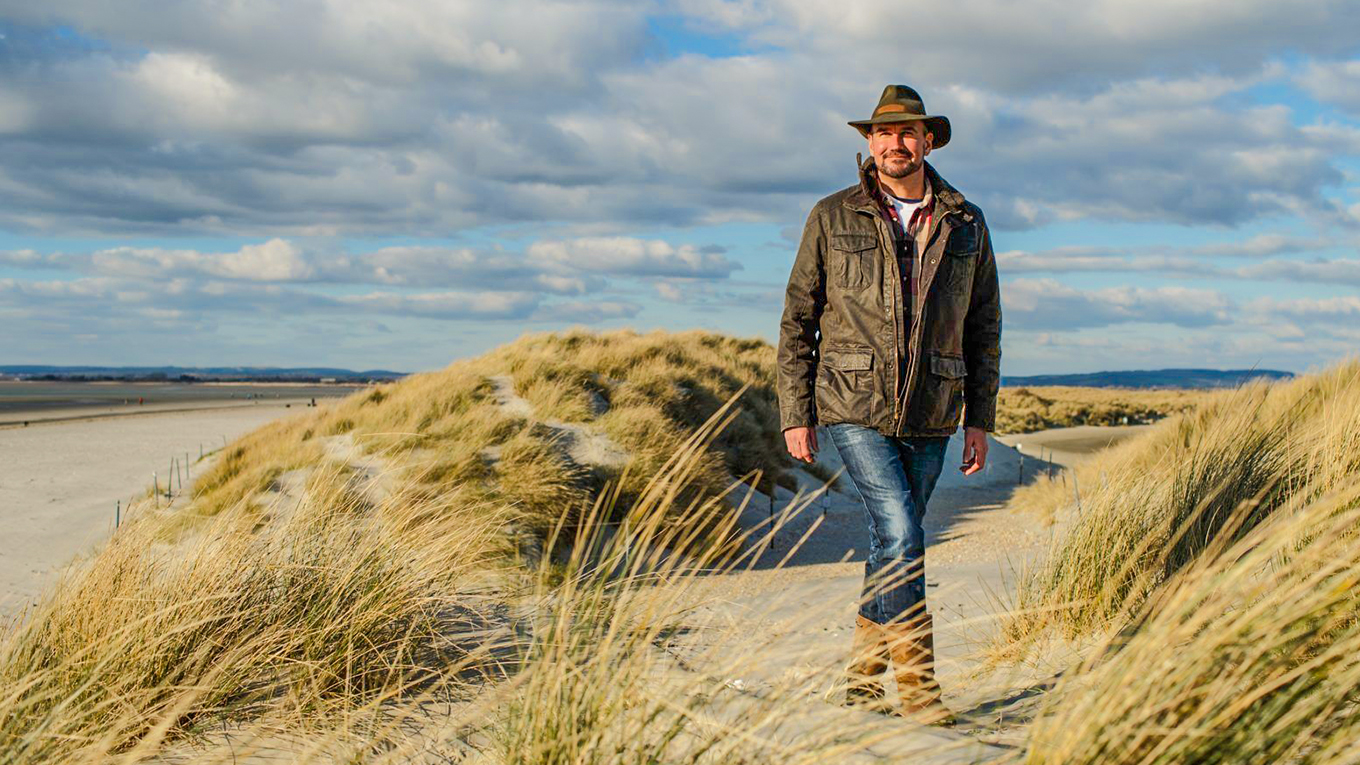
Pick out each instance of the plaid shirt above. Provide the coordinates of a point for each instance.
(909, 241)
(909, 244)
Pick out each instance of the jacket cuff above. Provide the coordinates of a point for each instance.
(980, 414)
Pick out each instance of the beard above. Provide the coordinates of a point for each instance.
(901, 167)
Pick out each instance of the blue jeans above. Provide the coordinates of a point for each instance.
(894, 478)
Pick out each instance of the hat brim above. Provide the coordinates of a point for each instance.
(935, 125)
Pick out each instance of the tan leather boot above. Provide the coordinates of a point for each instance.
(912, 648)
(868, 661)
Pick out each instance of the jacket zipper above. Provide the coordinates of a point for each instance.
(895, 313)
(899, 402)
(900, 408)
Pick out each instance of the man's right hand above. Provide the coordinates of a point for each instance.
(802, 443)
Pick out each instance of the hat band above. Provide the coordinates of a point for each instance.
(897, 109)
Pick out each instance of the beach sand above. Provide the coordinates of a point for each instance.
(1068, 445)
(60, 480)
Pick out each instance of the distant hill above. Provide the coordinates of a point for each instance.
(1152, 378)
(254, 374)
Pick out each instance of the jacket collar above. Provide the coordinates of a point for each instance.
(947, 198)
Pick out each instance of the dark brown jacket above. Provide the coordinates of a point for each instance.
(844, 354)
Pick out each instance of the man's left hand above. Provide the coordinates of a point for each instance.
(974, 450)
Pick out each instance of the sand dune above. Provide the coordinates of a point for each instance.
(60, 480)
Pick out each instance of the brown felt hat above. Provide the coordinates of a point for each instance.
(900, 103)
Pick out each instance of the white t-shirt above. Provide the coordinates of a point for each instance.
(905, 207)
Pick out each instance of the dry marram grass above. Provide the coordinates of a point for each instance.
(1142, 510)
(300, 607)
(1031, 408)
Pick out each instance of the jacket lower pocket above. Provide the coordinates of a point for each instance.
(844, 390)
(938, 399)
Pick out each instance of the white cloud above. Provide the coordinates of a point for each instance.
(568, 266)
(284, 278)
(1217, 347)
(394, 42)
(1043, 44)
(1320, 271)
(1209, 329)
(276, 260)
(1316, 271)
(337, 117)
(635, 257)
(1262, 245)
(1047, 304)
(446, 305)
(302, 123)
(576, 311)
(1336, 82)
(1076, 259)
(669, 291)
(721, 295)
(1192, 262)
(99, 298)
(464, 267)
(1166, 150)
(25, 258)
(1309, 309)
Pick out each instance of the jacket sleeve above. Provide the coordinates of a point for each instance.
(982, 341)
(804, 299)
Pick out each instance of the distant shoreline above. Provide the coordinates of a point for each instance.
(243, 383)
(49, 401)
(34, 418)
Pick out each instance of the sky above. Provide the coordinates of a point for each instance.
(401, 183)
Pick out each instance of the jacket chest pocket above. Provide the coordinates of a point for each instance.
(961, 254)
(853, 257)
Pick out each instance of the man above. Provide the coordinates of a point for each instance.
(891, 330)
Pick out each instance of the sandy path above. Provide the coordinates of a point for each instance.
(1070, 444)
(59, 482)
(795, 622)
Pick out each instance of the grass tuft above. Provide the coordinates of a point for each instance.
(1136, 514)
(1027, 409)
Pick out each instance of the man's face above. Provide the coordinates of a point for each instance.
(899, 148)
